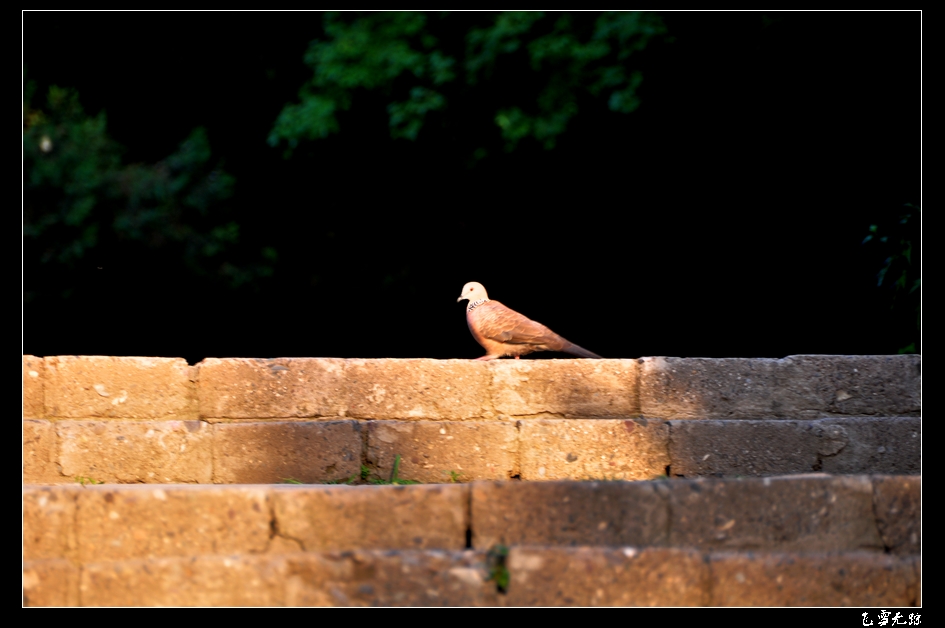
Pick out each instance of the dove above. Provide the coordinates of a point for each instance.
(504, 332)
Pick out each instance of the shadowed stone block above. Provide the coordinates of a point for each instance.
(129, 387)
(707, 388)
(430, 450)
(917, 567)
(602, 449)
(746, 447)
(742, 447)
(39, 453)
(579, 388)
(418, 389)
(790, 513)
(53, 582)
(250, 388)
(855, 579)
(272, 452)
(136, 451)
(870, 445)
(391, 578)
(818, 385)
(140, 521)
(568, 513)
(186, 581)
(796, 387)
(898, 502)
(372, 517)
(33, 369)
(601, 576)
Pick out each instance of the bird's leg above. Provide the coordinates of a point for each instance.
(518, 357)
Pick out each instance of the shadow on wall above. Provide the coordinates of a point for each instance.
(307, 452)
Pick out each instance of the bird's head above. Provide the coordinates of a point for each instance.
(473, 291)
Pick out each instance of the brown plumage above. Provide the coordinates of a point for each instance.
(504, 332)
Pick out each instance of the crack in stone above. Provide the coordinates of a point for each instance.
(887, 549)
(275, 532)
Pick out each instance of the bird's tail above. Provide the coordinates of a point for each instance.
(581, 352)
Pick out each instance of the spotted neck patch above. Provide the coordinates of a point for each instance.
(474, 304)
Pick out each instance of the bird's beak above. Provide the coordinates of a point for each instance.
(461, 297)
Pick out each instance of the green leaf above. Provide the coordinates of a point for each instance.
(406, 118)
(397, 58)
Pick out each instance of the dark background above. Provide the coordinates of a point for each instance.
(723, 218)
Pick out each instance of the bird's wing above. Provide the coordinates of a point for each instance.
(501, 324)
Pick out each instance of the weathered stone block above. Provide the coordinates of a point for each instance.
(33, 369)
(433, 451)
(185, 581)
(389, 578)
(136, 451)
(869, 445)
(841, 446)
(568, 513)
(708, 388)
(602, 449)
(898, 501)
(852, 579)
(39, 453)
(600, 576)
(570, 388)
(917, 566)
(250, 388)
(790, 513)
(140, 521)
(801, 386)
(418, 389)
(821, 385)
(372, 517)
(272, 452)
(104, 386)
(53, 582)
(49, 521)
(742, 447)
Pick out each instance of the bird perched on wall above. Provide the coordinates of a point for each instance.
(504, 332)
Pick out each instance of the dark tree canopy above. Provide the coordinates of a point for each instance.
(305, 184)
(443, 70)
(82, 205)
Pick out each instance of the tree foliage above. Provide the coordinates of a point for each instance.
(81, 201)
(898, 242)
(406, 60)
